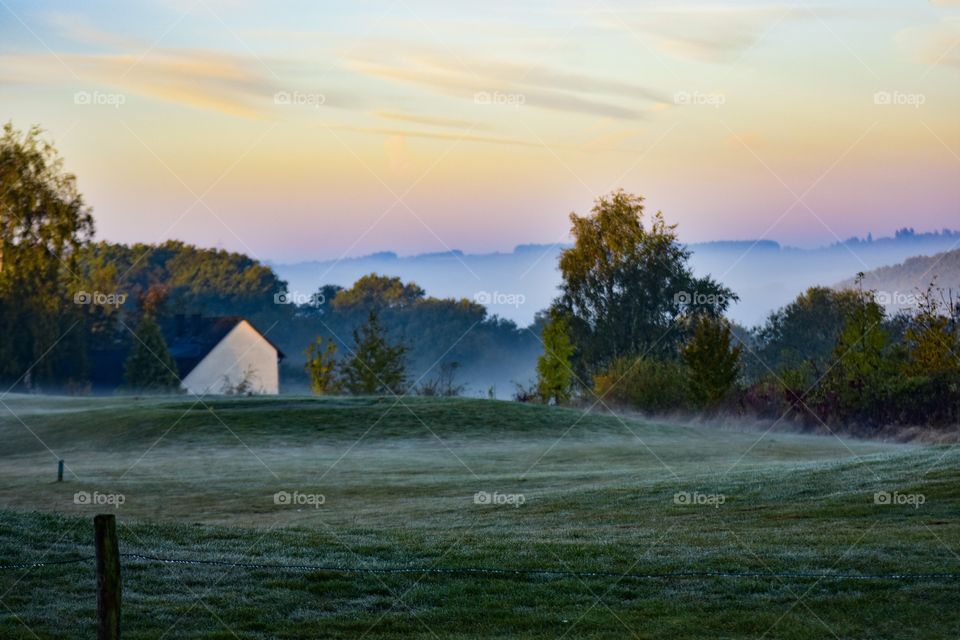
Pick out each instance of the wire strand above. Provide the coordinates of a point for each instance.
(499, 571)
(550, 572)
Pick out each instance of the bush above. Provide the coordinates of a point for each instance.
(654, 386)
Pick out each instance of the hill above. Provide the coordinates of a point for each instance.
(897, 285)
(516, 285)
(403, 507)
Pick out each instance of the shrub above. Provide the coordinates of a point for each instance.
(650, 385)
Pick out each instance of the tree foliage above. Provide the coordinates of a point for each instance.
(627, 281)
(43, 223)
(150, 366)
(554, 373)
(322, 367)
(374, 291)
(644, 383)
(375, 366)
(713, 362)
(803, 334)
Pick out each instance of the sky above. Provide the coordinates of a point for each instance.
(298, 130)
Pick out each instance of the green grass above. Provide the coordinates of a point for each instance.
(398, 482)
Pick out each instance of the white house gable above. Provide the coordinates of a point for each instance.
(242, 359)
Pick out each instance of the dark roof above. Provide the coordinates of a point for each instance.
(189, 339)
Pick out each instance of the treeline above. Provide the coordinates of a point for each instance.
(633, 327)
(65, 299)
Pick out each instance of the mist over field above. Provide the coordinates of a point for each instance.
(553, 320)
(516, 285)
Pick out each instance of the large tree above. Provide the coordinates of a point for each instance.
(626, 281)
(43, 222)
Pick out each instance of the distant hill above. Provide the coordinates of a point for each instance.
(897, 285)
(515, 285)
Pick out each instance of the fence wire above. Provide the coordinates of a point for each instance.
(502, 571)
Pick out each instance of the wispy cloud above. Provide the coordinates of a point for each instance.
(79, 28)
(436, 135)
(203, 79)
(708, 33)
(435, 121)
(537, 86)
(934, 45)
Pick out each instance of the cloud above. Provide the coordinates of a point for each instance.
(708, 33)
(436, 135)
(435, 121)
(78, 28)
(534, 85)
(936, 45)
(203, 79)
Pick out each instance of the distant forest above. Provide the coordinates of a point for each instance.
(177, 278)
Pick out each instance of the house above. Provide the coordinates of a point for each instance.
(214, 355)
(223, 354)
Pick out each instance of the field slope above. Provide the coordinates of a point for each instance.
(398, 483)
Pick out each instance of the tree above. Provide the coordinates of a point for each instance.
(932, 344)
(378, 292)
(928, 387)
(625, 284)
(713, 363)
(554, 375)
(150, 367)
(799, 339)
(322, 367)
(376, 367)
(857, 384)
(43, 222)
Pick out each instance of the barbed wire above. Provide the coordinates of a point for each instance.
(500, 571)
(44, 563)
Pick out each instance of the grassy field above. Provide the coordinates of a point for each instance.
(398, 485)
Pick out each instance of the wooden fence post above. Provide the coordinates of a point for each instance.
(60, 471)
(108, 577)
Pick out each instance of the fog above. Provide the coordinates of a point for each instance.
(765, 274)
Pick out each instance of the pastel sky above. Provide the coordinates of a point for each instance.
(300, 129)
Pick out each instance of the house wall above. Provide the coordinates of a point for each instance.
(241, 351)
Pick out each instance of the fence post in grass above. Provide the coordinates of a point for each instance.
(108, 577)
(60, 471)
